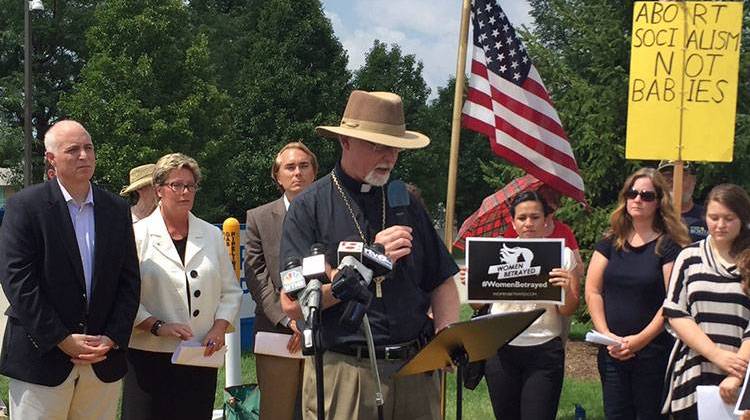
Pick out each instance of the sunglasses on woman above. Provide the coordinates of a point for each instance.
(647, 196)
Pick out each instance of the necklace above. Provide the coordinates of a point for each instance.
(379, 279)
(351, 210)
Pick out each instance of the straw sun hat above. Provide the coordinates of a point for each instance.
(377, 117)
(140, 176)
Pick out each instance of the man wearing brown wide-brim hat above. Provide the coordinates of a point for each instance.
(358, 202)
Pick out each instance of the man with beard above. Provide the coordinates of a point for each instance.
(351, 204)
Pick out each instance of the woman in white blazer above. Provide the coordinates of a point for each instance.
(188, 292)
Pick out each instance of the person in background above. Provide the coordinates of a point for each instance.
(293, 170)
(141, 191)
(554, 228)
(625, 287)
(189, 293)
(69, 270)
(693, 214)
(708, 306)
(525, 377)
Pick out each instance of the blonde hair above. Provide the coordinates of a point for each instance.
(666, 220)
(168, 163)
(277, 160)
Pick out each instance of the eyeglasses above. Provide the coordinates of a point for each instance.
(381, 148)
(646, 196)
(179, 187)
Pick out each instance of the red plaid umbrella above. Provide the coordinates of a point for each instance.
(493, 216)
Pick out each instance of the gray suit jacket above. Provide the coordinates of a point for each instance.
(263, 230)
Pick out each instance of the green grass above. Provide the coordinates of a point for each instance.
(476, 403)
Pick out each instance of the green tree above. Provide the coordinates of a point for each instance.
(148, 90)
(291, 77)
(59, 53)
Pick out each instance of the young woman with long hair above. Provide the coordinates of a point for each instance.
(625, 287)
(525, 378)
(708, 308)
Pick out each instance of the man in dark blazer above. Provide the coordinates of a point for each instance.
(279, 378)
(69, 269)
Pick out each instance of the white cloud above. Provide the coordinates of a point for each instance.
(427, 29)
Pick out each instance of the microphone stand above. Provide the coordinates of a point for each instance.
(373, 365)
(312, 337)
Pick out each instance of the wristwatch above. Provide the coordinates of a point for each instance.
(155, 328)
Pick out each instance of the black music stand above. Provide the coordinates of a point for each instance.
(468, 341)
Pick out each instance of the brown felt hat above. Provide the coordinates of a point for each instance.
(140, 176)
(377, 117)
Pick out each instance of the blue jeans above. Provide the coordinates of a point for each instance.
(633, 389)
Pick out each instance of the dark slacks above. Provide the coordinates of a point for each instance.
(156, 389)
(633, 389)
(525, 382)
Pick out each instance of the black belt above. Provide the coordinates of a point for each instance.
(392, 352)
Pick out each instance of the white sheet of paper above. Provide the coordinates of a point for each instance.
(596, 337)
(711, 406)
(191, 353)
(274, 344)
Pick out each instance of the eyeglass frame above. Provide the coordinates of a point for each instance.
(632, 194)
(191, 188)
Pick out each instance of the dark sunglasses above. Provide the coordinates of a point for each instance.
(647, 196)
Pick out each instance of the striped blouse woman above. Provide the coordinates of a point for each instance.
(708, 308)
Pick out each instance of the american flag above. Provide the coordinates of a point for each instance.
(507, 101)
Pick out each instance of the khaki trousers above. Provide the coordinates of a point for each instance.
(280, 383)
(82, 396)
(350, 390)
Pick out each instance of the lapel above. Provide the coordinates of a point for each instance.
(195, 240)
(60, 219)
(160, 238)
(278, 211)
(103, 214)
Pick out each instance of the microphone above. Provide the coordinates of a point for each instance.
(292, 280)
(314, 266)
(373, 257)
(398, 201)
(350, 285)
(309, 301)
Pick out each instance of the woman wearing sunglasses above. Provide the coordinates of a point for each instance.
(625, 288)
(708, 307)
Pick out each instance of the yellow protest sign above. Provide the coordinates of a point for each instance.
(684, 67)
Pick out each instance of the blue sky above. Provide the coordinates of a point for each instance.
(426, 28)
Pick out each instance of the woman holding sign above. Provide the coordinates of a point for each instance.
(708, 307)
(625, 288)
(525, 377)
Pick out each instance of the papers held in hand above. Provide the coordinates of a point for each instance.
(596, 337)
(191, 353)
(274, 344)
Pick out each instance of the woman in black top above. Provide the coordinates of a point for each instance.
(625, 288)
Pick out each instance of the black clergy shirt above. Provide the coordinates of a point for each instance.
(320, 215)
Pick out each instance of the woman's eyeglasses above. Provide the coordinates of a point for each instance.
(179, 187)
(647, 196)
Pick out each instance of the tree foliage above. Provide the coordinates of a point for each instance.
(147, 90)
(59, 54)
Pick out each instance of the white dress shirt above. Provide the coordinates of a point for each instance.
(82, 216)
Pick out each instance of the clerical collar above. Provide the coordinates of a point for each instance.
(350, 183)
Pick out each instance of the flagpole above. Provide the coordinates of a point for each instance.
(450, 200)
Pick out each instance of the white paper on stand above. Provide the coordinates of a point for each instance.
(274, 344)
(596, 337)
(711, 406)
(191, 353)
